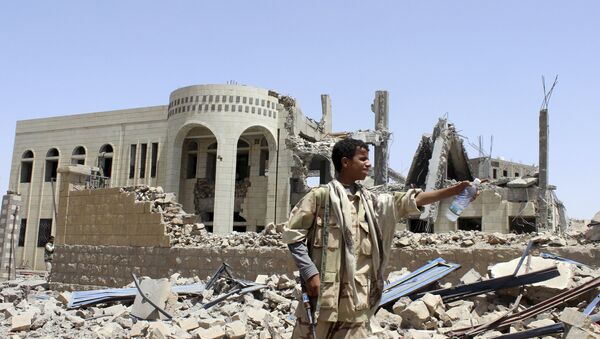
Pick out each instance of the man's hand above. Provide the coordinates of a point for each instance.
(313, 284)
(425, 198)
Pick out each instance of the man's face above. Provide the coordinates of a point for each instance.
(357, 168)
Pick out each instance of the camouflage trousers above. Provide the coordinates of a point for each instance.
(330, 330)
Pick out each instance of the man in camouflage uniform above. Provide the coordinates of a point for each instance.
(359, 226)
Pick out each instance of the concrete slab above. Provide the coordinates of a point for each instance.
(158, 291)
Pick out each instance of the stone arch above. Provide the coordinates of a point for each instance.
(78, 155)
(105, 159)
(196, 186)
(252, 203)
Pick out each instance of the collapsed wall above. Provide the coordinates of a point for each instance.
(251, 254)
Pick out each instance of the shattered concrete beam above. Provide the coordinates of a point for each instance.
(380, 108)
(542, 219)
(326, 120)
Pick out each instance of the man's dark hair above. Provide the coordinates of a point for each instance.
(345, 148)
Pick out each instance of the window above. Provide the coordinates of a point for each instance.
(469, 224)
(204, 98)
(212, 107)
(262, 103)
(78, 156)
(253, 111)
(226, 108)
(250, 100)
(517, 174)
(143, 153)
(239, 108)
(153, 159)
(419, 226)
(197, 98)
(268, 104)
(51, 165)
(22, 230)
(26, 166)
(237, 99)
(242, 160)
(243, 100)
(44, 232)
(219, 107)
(105, 160)
(132, 156)
(231, 98)
(246, 109)
(521, 225)
(505, 173)
(192, 160)
(495, 173)
(224, 98)
(210, 98)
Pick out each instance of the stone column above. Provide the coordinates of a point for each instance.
(225, 186)
(10, 222)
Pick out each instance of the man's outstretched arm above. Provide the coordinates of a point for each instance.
(426, 198)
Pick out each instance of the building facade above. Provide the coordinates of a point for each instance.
(219, 148)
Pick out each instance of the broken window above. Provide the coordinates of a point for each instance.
(143, 154)
(517, 174)
(264, 157)
(242, 160)
(154, 159)
(504, 173)
(495, 174)
(211, 162)
(132, 156)
(26, 166)
(192, 160)
(521, 224)
(51, 165)
(78, 156)
(105, 160)
(44, 232)
(22, 230)
(469, 224)
(419, 226)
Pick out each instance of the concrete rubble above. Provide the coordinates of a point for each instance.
(28, 309)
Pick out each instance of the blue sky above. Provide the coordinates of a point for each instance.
(480, 62)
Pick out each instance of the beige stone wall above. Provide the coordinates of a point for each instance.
(109, 217)
(83, 267)
(104, 216)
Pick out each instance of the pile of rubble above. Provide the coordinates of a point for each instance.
(407, 239)
(185, 232)
(28, 309)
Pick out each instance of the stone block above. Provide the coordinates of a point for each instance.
(415, 315)
(215, 332)
(236, 330)
(21, 322)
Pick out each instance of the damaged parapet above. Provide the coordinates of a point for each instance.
(311, 151)
(439, 157)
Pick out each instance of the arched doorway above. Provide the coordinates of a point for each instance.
(197, 173)
(255, 179)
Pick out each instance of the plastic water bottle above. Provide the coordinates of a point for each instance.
(462, 200)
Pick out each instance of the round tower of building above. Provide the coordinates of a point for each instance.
(219, 138)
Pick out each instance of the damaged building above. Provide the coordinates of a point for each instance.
(507, 203)
(219, 148)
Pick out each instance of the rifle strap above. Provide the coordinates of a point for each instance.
(324, 250)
